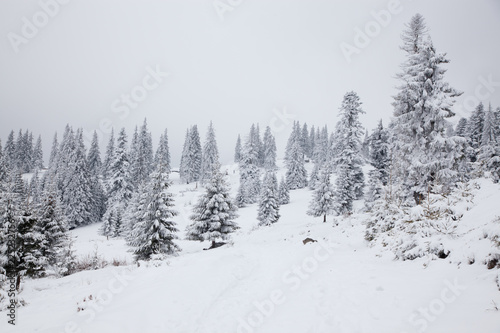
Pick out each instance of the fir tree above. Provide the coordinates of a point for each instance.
(461, 129)
(10, 150)
(54, 153)
(379, 151)
(154, 232)
(374, 190)
(304, 140)
(53, 227)
(322, 201)
(38, 154)
(269, 200)
(296, 175)
(237, 150)
(283, 192)
(214, 214)
(77, 199)
(269, 146)
(350, 179)
(109, 157)
(210, 155)
(192, 155)
(424, 158)
(162, 155)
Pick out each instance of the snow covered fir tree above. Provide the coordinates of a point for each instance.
(303, 198)
(214, 214)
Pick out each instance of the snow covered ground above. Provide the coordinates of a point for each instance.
(269, 281)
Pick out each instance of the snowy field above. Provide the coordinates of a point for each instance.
(269, 281)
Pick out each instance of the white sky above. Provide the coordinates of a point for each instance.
(265, 55)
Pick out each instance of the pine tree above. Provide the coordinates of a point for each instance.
(154, 232)
(141, 161)
(192, 155)
(269, 146)
(249, 189)
(237, 150)
(461, 129)
(269, 200)
(98, 194)
(120, 187)
(10, 150)
(108, 222)
(323, 198)
(304, 140)
(490, 145)
(108, 157)
(293, 139)
(365, 147)
(162, 155)
(379, 151)
(53, 227)
(312, 142)
(38, 154)
(210, 155)
(350, 179)
(94, 156)
(475, 130)
(54, 153)
(28, 243)
(214, 214)
(424, 159)
(375, 186)
(283, 192)
(296, 175)
(77, 199)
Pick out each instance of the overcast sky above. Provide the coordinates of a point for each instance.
(265, 61)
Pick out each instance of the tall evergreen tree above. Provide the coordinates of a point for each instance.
(237, 150)
(214, 214)
(108, 157)
(323, 198)
(210, 155)
(162, 155)
(283, 192)
(296, 175)
(269, 200)
(54, 153)
(154, 232)
(77, 199)
(461, 129)
(475, 130)
(379, 151)
(269, 146)
(38, 154)
(424, 158)
(10, 150)
(191, 162)
(53, 227)
(350, 179)
(97, 189)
